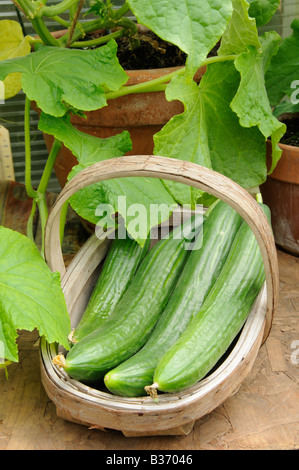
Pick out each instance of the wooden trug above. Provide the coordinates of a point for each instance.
(173, 414)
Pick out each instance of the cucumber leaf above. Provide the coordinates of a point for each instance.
(30, 295)
(284, 67)
(131, 197)
(251, 101)
(263, 10)
(208, 132)
(194, 26)
(12, 44)
(286, 106)
(61, 78)
(241, 31)
(87, 148)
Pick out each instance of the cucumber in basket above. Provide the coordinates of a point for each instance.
(210, 333)
(198, 276)
(130, 324)
(121, 262)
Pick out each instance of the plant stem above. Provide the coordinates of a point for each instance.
(44, 33)
(89, 26)
(61, 21)
(28, 7)
(39, 195)
(18, 6)
(30, 233)
(42, 187)
(157, 83)
(151, 85)
(259, 198)
(100, 40)
(34, 41)
(57, 9)
(32, 10)
(28, 185)
(219, 58)
(43, 212)
(72, 11)
(74, 22)
(131, 31)
(122, 11)
(93, 25)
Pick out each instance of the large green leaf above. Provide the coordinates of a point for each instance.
(133, 198)
(251, 101)
(241, 31)
(284, 67)
(12, 44)
(208, 132)
(254, 53)
(59, 78)
(30, 295)
(87, 148)
(194, 26)
(286, 106)
(263, 10)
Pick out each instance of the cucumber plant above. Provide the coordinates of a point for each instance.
(226, 120)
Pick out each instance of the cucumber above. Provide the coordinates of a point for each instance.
(198, 276)
(121, 262)
(210, 333)
(130, 324)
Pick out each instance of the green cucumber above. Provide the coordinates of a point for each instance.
(121, 262)
(210, 333)
(130, 324)
(197, 278)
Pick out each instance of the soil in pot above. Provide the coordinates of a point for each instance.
(281, 190)
(153, 52)
(291, 137)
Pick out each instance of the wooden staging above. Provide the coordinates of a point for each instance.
(262, 415)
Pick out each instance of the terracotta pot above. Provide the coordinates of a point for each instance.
(142, 115)
(281, 193)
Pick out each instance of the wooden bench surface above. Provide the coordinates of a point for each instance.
(262, 415)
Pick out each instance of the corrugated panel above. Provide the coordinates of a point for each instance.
(289, 11)
(12, 117)
(281, 21)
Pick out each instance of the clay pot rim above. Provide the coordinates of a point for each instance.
(288, 146)
(285, 168)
